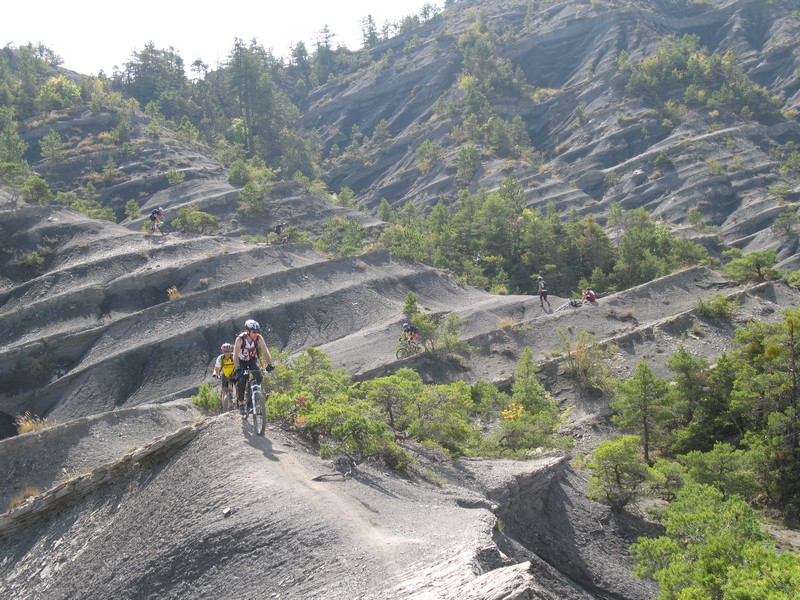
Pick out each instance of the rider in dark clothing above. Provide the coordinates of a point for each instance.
(410, 332)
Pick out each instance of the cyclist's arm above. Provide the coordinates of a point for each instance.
(237, 346)
(262, 345)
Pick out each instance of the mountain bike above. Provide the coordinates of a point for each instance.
(573, 303)
(255, 402)
(407, 347)
(227, 394)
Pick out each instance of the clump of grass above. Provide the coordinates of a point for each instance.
(27, 492)
(718, 307)
(29, 422)
(173, 293)
(204, 281)
(505, 323)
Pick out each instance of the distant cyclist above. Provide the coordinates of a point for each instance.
(156, 218)
(410, 333)
(589, 297)
(279, 229)
(249, 345)
(225, 367)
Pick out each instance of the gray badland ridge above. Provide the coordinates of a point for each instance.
(149, 498)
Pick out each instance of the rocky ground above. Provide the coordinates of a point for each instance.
(155, 499)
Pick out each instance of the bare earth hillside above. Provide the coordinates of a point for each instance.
(107, 331)
(154, 499)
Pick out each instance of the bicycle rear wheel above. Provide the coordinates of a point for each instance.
(259, 413)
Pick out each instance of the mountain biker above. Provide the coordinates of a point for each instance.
(410, 333)
(279, 231)
(542, 289)
(249, 344)
(156, 218)
(589, 296)
(225, 367)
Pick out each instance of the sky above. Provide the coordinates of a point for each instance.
(92, 36)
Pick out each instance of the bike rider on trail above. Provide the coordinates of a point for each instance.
(156, 218)
(225, 366)
(410, 333)
(249, 344)
(279, 228)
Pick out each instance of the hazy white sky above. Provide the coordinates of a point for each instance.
(90, 35)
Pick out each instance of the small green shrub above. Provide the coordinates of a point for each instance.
(718, 307)
(206, 398)
(174, 176)
(32, 259)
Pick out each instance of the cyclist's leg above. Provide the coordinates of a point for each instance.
(258, 375)
(241, 383)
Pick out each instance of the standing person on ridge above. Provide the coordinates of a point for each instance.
(249, 344)
(542, 290)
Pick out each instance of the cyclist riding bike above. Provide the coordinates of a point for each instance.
(225, 367)
(410, 333)
(249, 345)
(279, 228)
(156, 218)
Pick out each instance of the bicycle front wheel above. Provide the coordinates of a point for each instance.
(402, 353)
(259, 413)
(225, 400)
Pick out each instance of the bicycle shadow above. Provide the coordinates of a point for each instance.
(264, 444)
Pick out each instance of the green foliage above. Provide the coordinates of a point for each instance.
(618, 472)
(724, 468)
(363, 419)
(695, 217)
(410, 306)
(124, 127)
(663, 160)
(718, 307)
(252, 198)
(342, 235)
(445, 340)
(195, 221)
(207, 397)
(36, 191)
(530, 419)
(87, 205)
(642, 407)
(754, 266)
(51, 145)
(427, 154)
(132, 210)
(56, 93)
(786, 222)
(468, 161)
(32, 259)
(174, 176)
(681, 68)
(586, 361)
(345, 197)
(714, 548)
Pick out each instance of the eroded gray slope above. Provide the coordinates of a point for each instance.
(231, 514)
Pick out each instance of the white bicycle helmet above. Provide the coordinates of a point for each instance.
(252, 325)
